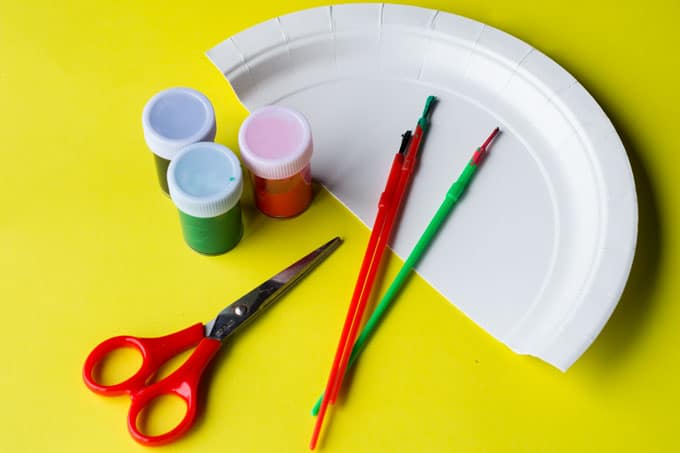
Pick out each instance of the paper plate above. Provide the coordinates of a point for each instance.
(538, 251)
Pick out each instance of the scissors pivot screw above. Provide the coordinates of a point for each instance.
(241, 310)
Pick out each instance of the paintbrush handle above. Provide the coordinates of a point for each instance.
(452, 196)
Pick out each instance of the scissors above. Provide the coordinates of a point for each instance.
(208, 338)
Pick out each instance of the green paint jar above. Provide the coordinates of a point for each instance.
(205, 182)
(173, 119)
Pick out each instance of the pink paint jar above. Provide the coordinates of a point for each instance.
(276, 146)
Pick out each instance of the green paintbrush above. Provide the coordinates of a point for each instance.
(452, 196)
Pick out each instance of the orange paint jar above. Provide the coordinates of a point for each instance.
(276, 147)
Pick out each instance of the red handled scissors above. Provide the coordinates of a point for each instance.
(183, 382)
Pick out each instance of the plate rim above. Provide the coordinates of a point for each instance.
(590, 316)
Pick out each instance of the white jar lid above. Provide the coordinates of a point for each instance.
(275, 142)
(177, 117)
(205, 179)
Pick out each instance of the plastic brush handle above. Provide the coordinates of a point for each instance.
(393, 210)
(407, 169)
(421, 246)
(394, 288)
(372, 249)
(383, 203)
(355, 313)
(452, 196)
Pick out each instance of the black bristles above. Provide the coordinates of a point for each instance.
(405, 140)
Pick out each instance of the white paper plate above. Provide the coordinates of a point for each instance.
(538, 251)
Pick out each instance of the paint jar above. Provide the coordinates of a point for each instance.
(175, 118)
(205, 182)
(276, 146)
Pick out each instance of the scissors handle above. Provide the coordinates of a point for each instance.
(183, 382)
(155, 352)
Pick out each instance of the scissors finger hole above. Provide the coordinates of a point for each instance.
(161, 415)
(117, 366)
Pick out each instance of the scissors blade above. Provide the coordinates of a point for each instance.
(237, 314)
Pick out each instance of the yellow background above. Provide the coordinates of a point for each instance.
(89, 248)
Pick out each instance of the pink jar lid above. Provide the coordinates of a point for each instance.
(275, 142)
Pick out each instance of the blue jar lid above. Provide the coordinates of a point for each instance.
(205, 179)
(175, 118)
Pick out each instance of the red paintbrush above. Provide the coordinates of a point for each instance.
(388, 208)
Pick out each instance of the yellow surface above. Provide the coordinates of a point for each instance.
(89, 249)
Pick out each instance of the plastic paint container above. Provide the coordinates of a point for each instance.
(276, 146)
(206, 183)
(175, 118)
